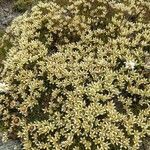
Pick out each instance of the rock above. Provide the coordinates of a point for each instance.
(10, 144)
(6, 9)
(5, 21)
(7, 14)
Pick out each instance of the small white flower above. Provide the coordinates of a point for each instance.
(3, 87)
(130, 64)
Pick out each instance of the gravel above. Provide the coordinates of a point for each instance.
(7, 14)
(10, 144)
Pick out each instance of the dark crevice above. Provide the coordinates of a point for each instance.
(86, 100)
(70, 87)
(101, 116)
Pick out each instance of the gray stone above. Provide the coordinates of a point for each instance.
(10, 145)
(6, 10)
(7, 14)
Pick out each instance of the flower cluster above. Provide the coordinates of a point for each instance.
(130, 64)
(78, 77)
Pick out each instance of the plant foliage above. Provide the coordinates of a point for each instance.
(78, 75)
